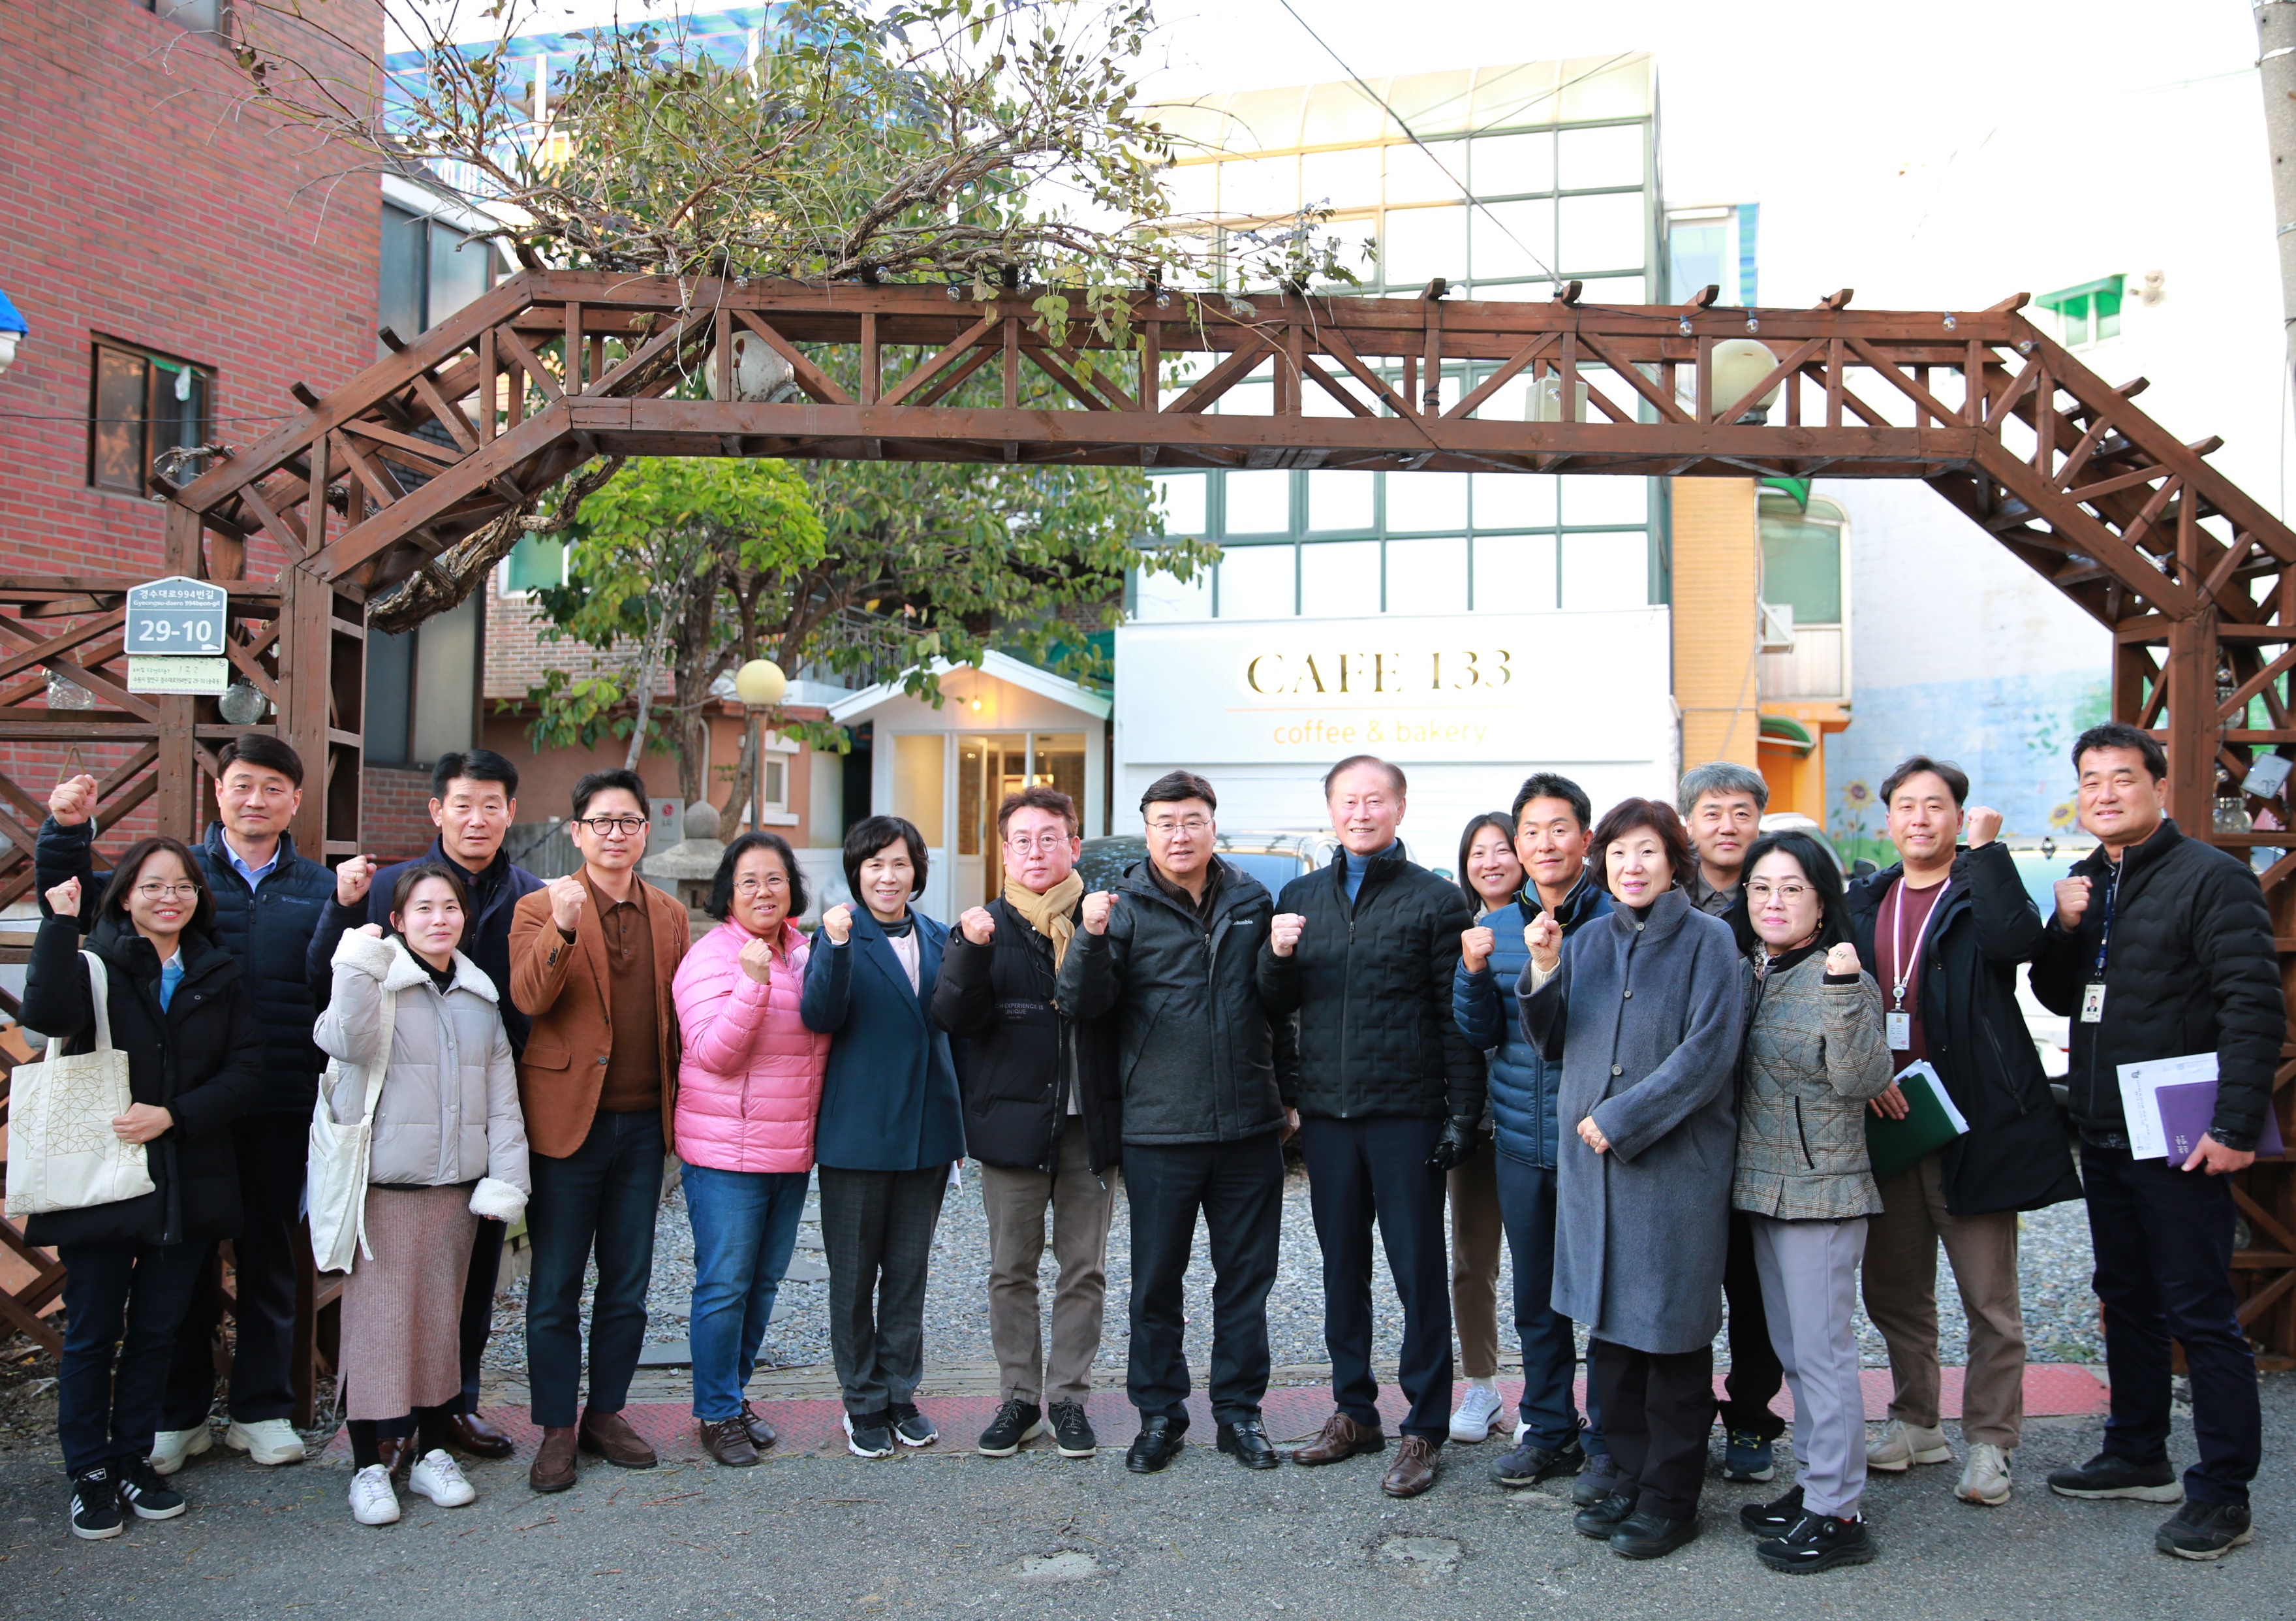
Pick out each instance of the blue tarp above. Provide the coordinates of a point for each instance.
(10, 320)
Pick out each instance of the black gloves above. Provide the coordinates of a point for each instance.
(1455, 1146)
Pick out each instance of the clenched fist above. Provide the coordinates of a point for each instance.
(1097, 906)
(1984, 824)
(977, 925)
(63, 900)
(2072, 900)
(73, 801)
(758, 961)
(1475, 948)
(1842, 959)
(837, 923)
(353, 878)
(1544, 936)
(1283, 932)
(568, 897)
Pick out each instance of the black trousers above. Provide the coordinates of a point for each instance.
(1756, 1375)
(123, 1305)
(266, 1255)
(1239, 1188)
(2163, 1244)
(1359, 1171)
(1656, 1413)
(877, 1233)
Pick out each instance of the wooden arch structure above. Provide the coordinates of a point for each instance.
(468, 425)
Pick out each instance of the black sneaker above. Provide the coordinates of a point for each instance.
(1016, 1421)
(1817, 1542)
(1528, 1463)
(95, 1505)
(2204, 1531)
(1773, 1518)
(869, 1435)
(146, 1490)
(1073, 1431)
(1598, 1520)
(1596, 1481)
(2106, 1475)
(910, 1427)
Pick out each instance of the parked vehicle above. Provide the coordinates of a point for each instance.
(1275, 859)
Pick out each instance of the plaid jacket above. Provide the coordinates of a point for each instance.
(1813, 1054)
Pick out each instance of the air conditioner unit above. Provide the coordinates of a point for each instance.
(1775, 627)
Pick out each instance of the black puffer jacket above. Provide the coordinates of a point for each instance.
(1372, 986)
(1019, 1050)
(200, 1058)
(2014, 1155)
(266, 930)
(2191, 969)
(1199, 1056)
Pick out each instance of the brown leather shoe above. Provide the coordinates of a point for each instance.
(609, 1435)
(1416, 1465)
(466, 1432)
(1340, 1438)
(728, 1440)
(761, 1433)
(398, 1454)
(554, 1461)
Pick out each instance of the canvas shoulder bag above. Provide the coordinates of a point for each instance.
(63, 1153)
(336, 1166)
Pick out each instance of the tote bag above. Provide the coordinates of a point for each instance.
(336, 1166)
(63, 1153)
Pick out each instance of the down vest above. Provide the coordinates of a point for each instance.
(1523, 1080)
(448, 1110)
(749, 1086)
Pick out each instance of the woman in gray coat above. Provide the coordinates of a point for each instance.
(1815, 1052)
(1643, 1007)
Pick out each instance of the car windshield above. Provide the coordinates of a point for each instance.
(1274, 870)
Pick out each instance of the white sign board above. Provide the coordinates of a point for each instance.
(205, 678)
(178, 615)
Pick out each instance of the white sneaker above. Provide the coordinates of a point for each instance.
(272, 1441)
(439, 1478)
(1902, 1446)
(1985, 1479)
(373, 1501)
(1477, 1408)
(170, 1447)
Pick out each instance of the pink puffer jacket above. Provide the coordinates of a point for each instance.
(749, 1088)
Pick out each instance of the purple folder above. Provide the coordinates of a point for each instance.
(2187, 1110)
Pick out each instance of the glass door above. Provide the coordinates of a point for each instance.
(988, 767)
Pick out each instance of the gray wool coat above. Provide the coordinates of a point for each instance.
(1644, 1015)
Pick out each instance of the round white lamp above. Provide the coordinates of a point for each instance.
(760, 683)
(1739, 364)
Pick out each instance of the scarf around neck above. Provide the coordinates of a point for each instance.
(1051, 914)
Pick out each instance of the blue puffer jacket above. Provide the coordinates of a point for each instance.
(266, 930)
(1523, 1082)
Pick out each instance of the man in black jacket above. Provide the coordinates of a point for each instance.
(1209, 1078)
(473, 800)
(1945, 932)
(1042, 1115)
(1391, 1094)
(268, 901)
(2161, 948)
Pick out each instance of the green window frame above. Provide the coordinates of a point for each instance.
(2090, 312)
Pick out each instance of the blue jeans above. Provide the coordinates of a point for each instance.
(744, 1228)
(1550, 1356)
(123, 1305)
(602, 1195)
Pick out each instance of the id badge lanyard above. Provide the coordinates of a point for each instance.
(1898, 1021)
(2092, 1009)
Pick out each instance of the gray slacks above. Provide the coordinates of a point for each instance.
(877, 1232)
(1809, 1292)
(1081, 1203)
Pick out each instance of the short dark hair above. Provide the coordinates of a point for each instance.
(1955, 779)
(1036, 796)
(721, 888)
(1630, 814)
(1173, 786)
(123, 877)
(1553, 785)
(262, 750)
(590, 784)
(1488, 818)
(1394, 773)
(413, 872)
(2121, 734)
(1725, 776)
(869, 835)
(476, 765)
(1819, 866)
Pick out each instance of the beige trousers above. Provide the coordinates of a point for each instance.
(1900, 1290)
(1476, 1236)
(1081, 1203)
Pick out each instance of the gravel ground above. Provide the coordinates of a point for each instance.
(2054, 1256)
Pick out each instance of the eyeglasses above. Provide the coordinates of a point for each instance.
(166, 891)
(1184, 824)
(1021, 843)
(612, 826)
(751, 886)
(1762, 890)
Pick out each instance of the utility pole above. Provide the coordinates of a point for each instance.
(2276, 68)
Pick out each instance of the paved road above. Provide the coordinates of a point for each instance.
(949, 1532)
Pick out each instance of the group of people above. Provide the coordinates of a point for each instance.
(1640, 1051)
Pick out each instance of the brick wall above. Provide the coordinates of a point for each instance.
(1714, 572)
(394, 812)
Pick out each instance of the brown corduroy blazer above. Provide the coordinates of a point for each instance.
(561, 986)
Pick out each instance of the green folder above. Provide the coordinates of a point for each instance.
(1931, 1121)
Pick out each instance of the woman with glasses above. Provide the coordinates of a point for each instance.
(1815, 1051)
(748, 1091)
(449, 1146)
(890, 1127)
(176, 1004)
